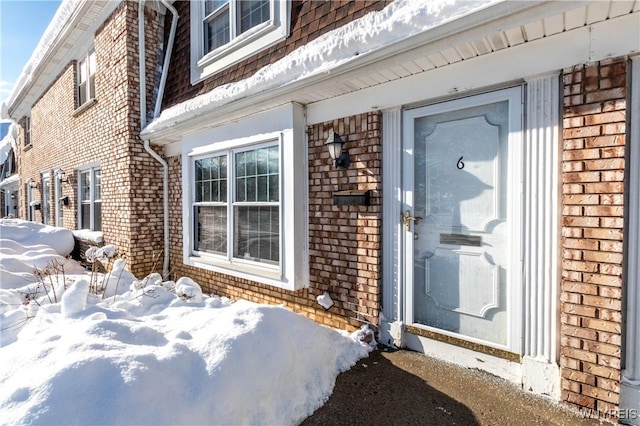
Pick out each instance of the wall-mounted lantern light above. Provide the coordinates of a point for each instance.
(334, 145)
(61, 176)
(13, 195)
(33, 183)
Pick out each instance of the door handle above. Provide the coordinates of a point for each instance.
(406, 218)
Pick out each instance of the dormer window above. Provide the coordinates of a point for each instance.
(86, 84)
(224, 32)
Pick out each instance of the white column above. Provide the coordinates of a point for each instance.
(391, 207)
(541, 252)
(630, 383)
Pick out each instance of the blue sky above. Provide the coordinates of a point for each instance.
(22, 23)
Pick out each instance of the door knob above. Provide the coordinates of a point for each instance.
(407, 219)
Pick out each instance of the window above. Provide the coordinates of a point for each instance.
(223, 32)
(224, 20)
(90, 206)
(237, 204)
(86, 78)
(244, 198)
(27, 131)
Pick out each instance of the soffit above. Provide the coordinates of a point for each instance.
(449, 51)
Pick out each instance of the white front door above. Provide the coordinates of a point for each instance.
(462, 184)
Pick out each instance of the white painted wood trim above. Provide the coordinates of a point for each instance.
(391, 210)
(541, 217)
(630, 383)
(508, 370)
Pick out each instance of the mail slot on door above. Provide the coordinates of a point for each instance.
(461, 240)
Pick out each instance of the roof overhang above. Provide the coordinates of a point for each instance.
(69, 34)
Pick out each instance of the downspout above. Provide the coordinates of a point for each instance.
(143, 118)
(167, 57)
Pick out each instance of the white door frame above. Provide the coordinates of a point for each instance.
(45, 208)
(514, 216)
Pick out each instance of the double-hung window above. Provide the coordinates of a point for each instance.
(225, 20)
(223, 32)
(236, 205)
(27, 131)
(86, 81)
(90, 206)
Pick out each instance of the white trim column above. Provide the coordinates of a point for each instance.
(391, 206)
(540, 371)
(630, 382)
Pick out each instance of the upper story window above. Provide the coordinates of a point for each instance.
(27, 131)
(224, 32)
(86, 84)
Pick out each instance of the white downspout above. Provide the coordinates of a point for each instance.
(143, 123)
(167, 57)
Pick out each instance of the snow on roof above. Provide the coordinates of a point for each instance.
(61, 17)
(8, 143)
(398, 21)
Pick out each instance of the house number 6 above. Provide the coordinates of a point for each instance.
(460, 164)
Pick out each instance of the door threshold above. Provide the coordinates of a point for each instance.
(476, 347)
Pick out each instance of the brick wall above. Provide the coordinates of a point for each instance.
(592, 233)
(309, 20)
(104, 133)
(344, 241)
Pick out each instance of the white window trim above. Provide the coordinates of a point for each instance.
(87, 62)
(293, 271)
(244, 45)
(91, 170)
(228, 260)
(27, 131)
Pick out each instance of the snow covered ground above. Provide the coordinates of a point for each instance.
(83, 348)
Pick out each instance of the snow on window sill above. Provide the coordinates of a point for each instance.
(90, 236)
